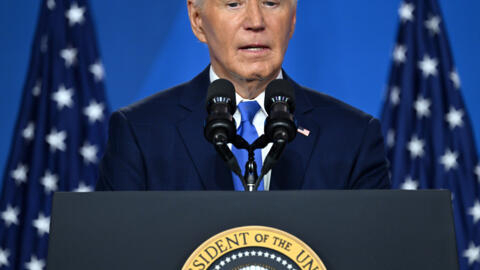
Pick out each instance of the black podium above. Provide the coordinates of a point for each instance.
(348, 230)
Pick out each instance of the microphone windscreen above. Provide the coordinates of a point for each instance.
(221, 90)
(280, 90)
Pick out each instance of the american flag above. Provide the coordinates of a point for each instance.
(60, 131)
(427, 129)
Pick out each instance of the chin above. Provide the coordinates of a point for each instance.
(259, 73)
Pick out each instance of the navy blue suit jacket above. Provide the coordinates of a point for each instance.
(158, 144)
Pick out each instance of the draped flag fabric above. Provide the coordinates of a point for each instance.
(429, 136)
(60, 131)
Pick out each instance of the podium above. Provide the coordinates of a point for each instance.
(363, 229)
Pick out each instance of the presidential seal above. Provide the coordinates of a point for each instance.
(254, 248)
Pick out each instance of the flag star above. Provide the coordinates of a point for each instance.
(228, 260)
(63, 97)
(455, 79)
(37, 88)
(428, 66)
(49, 182)
(272, 256)
(29, 131)
(433, 24)
(472, 253)
(400, 54)
(56, 140)
(51, 4)
(94, 111)
(10, 215)
(395, 95)
(415, 146)
(83, 188)
(97, 70)
(69, 55)
(35, 264)
(449, 160)
(422, 107)
(475, 211)
(289, 266)
(391, 138)
(20, 174)
(409, 184)
(89, 153)
(406, 12)
(4, 253)
(75, 14)
(477, 171)
(454, 118)
(42, 224)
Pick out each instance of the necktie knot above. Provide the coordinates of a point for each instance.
(248, 110)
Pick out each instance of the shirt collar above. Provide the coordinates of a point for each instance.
(260, 98)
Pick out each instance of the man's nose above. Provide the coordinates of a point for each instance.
(254, 20)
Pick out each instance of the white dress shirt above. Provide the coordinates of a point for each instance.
(258, 121)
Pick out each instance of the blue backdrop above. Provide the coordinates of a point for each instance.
(340, 47)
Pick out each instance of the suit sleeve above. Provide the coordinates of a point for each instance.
(122, 166)
(371, 166)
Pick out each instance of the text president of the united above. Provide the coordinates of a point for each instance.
(158, 143)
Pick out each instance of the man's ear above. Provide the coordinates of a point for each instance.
(196, 21)
(294, 22)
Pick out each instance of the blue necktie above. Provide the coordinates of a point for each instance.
(248, 110)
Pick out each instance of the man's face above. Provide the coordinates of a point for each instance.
(247, 39)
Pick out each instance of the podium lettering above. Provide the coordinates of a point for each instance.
(282, 243)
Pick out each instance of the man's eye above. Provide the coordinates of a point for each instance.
(270, 3)
(233, 4)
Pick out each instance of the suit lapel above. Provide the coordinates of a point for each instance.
(289, 172)
(213, 173)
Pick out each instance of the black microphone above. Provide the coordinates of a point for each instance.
(220, 128)
(280, 105)
(280, 127)
(221, 104)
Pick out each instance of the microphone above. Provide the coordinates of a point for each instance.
(220, 128)
(221, 104)
(280, 105)
(280, 127)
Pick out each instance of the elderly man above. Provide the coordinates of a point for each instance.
(158, 143)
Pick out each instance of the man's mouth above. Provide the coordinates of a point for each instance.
(254, 48)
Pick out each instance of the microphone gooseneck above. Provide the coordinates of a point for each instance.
(280, 127)
(220, 128)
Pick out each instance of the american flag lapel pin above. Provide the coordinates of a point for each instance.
(303, 131)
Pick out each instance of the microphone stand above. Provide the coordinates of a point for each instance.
(250, 179)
